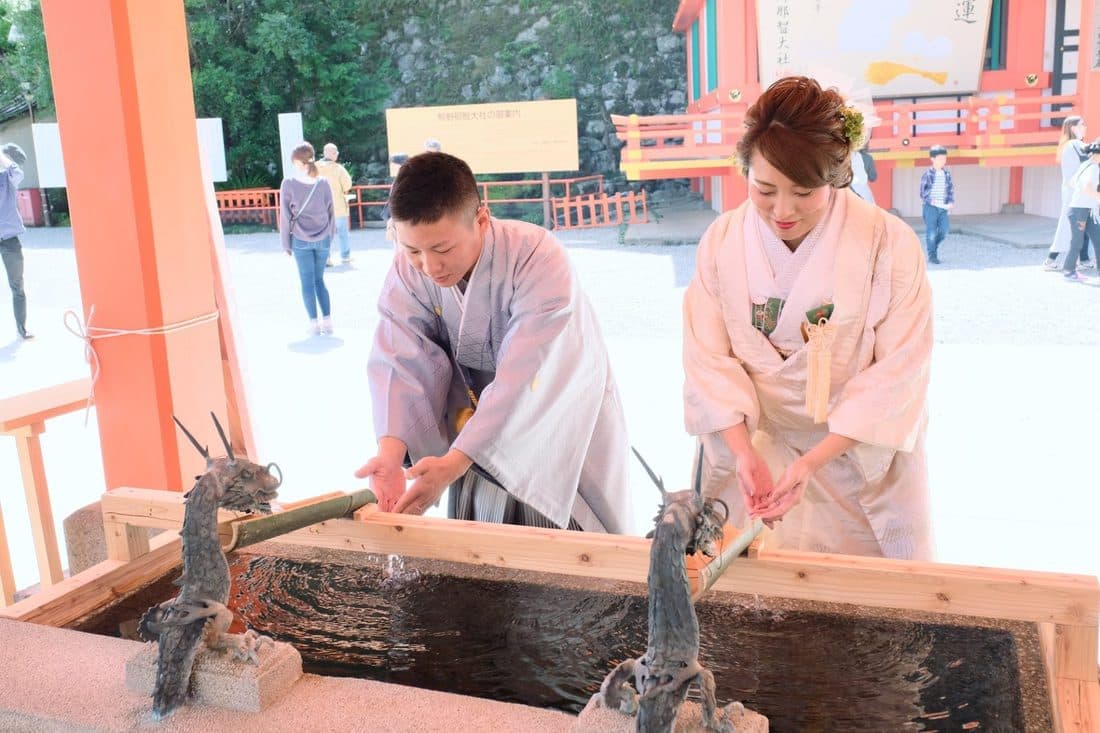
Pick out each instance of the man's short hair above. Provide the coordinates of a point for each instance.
(937, 150)
(430, 186)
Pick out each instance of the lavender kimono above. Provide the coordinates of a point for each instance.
(873, 499)
(549, 424)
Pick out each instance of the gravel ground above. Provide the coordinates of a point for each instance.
(1014, 405)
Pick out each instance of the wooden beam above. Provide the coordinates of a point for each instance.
(125, 541)
(80, 594)
(151, 508)
(40, 405)
(1075, 703)
(39, 510)
(1075, 652)
(1072, 600)
(7, 577)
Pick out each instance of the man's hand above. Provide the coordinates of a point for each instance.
(387, 480)
(430, 477)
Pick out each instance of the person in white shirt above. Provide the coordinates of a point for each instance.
(1084, 209)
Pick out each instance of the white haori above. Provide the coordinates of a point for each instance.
(549, 423)
(799, 278)
(873, 499)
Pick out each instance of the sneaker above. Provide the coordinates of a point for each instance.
(933, 259)
(1085, 265)
(326, 325)
(1076, 277)
(315, 327)
(328, 262)
(26, 335)
(346, 261)
(1052, 265)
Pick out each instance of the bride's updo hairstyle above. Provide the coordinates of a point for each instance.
(803, 131)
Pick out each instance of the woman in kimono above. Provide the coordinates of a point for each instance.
(807, 342)
(489, 373)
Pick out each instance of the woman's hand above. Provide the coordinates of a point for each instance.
(754, 477)
(786, 493)
(430, 477)
(791, 486)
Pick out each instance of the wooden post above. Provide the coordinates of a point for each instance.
(38, 503)
(125, 542)
(7, 578)
(125, 104)
(547, 220)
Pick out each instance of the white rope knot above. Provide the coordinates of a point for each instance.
(88, 333)
(821, 335)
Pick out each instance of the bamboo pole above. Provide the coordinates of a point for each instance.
(703, 571)
(250, 531)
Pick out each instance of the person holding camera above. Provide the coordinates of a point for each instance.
(1084, 209)
(12, 159)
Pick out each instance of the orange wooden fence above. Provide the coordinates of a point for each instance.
(24, 417)
(261, 205)
(600, 210)
(997, 130)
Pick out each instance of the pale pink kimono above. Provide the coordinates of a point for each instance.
(873, 499)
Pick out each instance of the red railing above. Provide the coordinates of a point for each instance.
(261, 205)
(600, 210)
(1005, 129)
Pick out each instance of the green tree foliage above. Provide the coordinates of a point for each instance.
(23, 67)
(341, 62)
(252, 59)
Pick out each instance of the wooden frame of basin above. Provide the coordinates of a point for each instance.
(1065, 607)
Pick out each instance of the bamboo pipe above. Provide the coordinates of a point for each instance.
(703, 571)
(250, 531)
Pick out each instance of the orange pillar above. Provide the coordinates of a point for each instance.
(1015, 185)
(883, 185)
(126, 112)
(737, 70)
(1088, 76)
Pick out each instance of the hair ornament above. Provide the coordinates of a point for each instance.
(853, 125)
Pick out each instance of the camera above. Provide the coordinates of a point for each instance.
(1091, 148)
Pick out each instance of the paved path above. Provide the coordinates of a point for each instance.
(1015, 409)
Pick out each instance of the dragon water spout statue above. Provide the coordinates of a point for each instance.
(686, 522)
(180, 624)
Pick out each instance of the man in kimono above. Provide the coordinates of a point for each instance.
(489, 371)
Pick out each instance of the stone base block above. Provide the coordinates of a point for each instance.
(221, 681)
(598, 719)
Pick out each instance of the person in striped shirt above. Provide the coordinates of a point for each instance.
(937, 191)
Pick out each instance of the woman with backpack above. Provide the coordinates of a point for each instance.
(306, 228)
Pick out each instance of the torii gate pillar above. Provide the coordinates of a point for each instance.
(126, 113)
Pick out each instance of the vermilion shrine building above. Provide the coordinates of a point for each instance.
(990, 80)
